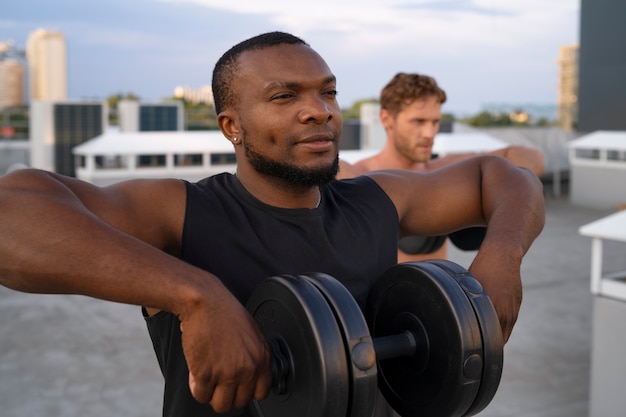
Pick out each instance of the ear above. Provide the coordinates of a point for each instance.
(228, 125)
(386, 119)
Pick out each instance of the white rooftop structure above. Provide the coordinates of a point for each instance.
(116, 156)
(598, 169)
(601, 139)
(445, 144)
(474, 142)
(608, 286)
(600, 148)
(610, 228)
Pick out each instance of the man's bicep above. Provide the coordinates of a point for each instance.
(151, 210)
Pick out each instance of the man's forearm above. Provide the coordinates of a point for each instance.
(514, 209)
(52, 244)
(513, 204)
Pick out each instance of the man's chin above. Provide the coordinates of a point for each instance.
(421, 157)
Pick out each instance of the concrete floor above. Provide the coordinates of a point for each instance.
(72, 356)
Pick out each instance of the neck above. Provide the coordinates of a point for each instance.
(278, 194)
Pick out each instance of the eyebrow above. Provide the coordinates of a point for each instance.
(294, 85)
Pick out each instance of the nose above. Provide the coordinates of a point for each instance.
(431, 129)
(316, 110)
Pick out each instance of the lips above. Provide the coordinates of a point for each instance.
(325, 137)
(318, 143)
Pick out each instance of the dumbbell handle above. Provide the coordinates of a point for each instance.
(386, 347)
(395, 346)
(280, 365)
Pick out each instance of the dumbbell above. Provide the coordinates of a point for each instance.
(468, 239)
(414, 245)
(429, 340)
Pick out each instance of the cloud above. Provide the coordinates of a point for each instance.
(380, 24)
(480, 50)
(120, 38)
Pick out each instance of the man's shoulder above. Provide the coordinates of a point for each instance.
(362, 187)
(213, 182)
(348, 170)
(370, 163)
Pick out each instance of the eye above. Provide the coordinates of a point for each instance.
(331, 93)
(282, 96)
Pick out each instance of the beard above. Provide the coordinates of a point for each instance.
(291, 174)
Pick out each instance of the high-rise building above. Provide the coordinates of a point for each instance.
(47, 65)
(11, 83)
(602, 59)
(134, 116)
(57, 127)
(11, 75)
(567, 97)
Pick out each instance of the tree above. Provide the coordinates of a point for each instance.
(14, 122)
(354, 112)
(486, 118)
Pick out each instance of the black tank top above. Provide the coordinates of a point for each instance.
(352, 236)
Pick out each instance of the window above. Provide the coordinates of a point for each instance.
(111, 162)
(191, 159)
(223, 158)
(151, 161)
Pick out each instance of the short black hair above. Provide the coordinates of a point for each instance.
(226, 66)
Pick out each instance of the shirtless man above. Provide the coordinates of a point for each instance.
(410, 113)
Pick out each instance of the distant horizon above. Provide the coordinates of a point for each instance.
(486, 107)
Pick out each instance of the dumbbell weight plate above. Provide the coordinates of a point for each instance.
(357, 341)
(443, 377)
(493, 343)
(294, 311)
(468, 239)
(414, 245)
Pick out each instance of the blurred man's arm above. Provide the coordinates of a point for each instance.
(522, 156)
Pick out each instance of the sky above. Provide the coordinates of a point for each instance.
(481, 52)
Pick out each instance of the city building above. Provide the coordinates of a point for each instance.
(134, 116)
(12, 87)
(203, 94)
(602, 59)
(46, 52)
(199, 107)
(57, 127)
(567, 94)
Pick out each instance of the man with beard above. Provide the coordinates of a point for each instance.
(192, 253)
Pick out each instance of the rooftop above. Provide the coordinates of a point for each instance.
(63, 355)
(113, 142)
(601, 139)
